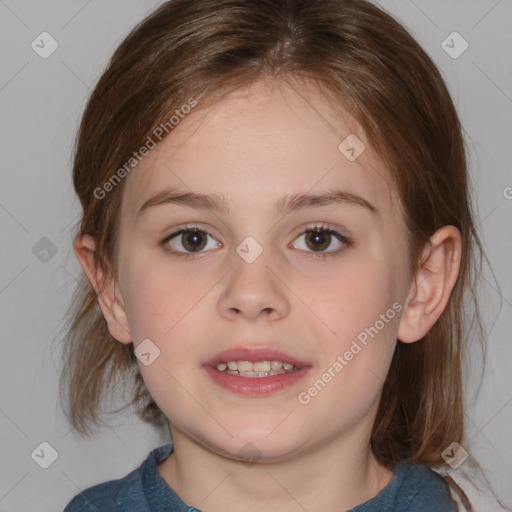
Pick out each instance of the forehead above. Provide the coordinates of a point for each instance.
(260, 142)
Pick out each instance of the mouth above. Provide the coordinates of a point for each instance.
(255, 371)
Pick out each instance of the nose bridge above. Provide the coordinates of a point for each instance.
(251, 288)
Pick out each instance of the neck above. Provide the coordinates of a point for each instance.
(337, 476)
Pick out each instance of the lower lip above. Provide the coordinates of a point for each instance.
(256, 386)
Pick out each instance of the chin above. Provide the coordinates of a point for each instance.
(254, 446)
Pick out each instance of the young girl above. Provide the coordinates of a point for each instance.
(278, 238)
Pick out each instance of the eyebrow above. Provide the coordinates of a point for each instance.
(290, 203)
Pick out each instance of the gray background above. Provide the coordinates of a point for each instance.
(41, 101)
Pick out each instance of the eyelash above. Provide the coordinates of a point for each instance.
(321, 227)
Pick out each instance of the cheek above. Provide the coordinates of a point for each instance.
(354, 362)
(353, 298)
(158, 298)
(359, 311)
(164, 307)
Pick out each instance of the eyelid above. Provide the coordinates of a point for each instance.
(190, 226)
(324, 226)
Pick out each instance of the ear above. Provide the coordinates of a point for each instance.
(432, 284)
(110, 302)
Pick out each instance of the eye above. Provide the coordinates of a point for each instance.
(318, 239)
(190, 240)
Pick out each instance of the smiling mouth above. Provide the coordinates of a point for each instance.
(256, 369)
(257, 378)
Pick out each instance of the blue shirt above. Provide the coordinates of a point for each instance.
(413, 488)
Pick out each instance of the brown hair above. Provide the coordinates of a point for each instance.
(369, 64)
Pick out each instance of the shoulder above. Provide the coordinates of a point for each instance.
(413, 488)
(122, 495)
(106, 497)
(422, 489)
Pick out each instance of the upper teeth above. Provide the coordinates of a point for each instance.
(258, 366)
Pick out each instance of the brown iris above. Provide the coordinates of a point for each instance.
(320, 239)
(194, 240)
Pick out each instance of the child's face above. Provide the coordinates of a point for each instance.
(255, 150)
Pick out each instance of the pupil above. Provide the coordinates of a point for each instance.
(318, 237)
(193, 240)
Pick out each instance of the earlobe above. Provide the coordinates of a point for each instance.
(110, 302)
(432, 284)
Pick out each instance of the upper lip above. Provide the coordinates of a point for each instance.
(254, 354)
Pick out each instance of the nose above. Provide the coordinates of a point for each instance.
(252, 291)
